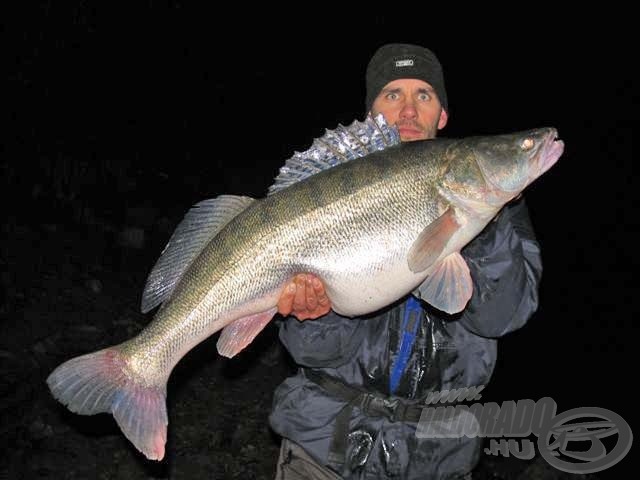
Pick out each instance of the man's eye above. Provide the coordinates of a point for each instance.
(392, 96)
(424, 97)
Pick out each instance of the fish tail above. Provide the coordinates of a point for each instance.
(97, 383)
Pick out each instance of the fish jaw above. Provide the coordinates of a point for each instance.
(550, 152)
(509, 163)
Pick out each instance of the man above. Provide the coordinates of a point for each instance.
(351, 410)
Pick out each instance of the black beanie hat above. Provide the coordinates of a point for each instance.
(401, 60)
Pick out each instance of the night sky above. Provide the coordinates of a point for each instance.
(185, 111)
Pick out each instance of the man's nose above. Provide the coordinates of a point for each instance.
(408, 111)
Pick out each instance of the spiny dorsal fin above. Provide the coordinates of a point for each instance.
(335, 147)
(201, 223)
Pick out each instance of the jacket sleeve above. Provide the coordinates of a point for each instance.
(329, 341)
(505, 265)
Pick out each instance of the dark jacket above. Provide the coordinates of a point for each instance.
(449, 351)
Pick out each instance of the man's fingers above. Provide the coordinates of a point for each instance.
(300, 300)
(321, 294)
(285, 303)
(318, 286)
(319, 311)
(323, 301)
(312, 300)
(305, 298)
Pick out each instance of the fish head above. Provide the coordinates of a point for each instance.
(509, 163)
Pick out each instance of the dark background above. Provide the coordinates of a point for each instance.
(121, 118)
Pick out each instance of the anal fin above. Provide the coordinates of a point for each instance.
(240, 333)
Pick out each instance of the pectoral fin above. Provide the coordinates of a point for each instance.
(240, 333)
(432, 241)
(449, 286)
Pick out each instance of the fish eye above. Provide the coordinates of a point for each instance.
(527, 144)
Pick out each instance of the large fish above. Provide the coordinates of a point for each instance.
(372, 217)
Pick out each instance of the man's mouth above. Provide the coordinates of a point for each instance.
(409, 130)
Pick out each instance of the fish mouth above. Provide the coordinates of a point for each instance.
(550, 152)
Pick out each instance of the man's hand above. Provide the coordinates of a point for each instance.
(304, 298)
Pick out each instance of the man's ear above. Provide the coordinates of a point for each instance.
(444, 118)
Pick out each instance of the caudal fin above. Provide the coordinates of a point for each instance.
(97, 383)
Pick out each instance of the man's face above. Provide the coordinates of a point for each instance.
(413, 106)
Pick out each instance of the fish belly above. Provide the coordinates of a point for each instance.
(362, 293)
(367, 275)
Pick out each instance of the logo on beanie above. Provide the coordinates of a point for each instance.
(404, 63)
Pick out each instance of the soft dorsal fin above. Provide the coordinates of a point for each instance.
(201, 223)
(335, 147)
